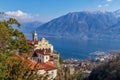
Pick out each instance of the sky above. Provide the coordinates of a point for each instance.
(46, 10)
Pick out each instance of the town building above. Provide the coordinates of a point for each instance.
(44, 55)
(43, 44)
(41, 63)
(44, 63)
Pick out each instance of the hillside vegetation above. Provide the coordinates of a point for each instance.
(107, 71)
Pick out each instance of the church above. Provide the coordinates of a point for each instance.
(44, 45)
(45, 55)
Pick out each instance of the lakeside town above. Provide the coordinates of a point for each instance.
(60, 40)
(48, 61)
(37, 59)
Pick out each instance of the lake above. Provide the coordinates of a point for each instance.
(81, 49)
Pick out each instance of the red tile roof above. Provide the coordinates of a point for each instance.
(46, 66)
(49, 66)
(30, 41)
(17, 56)
(35, 65)
(24, 55)
(33, 47)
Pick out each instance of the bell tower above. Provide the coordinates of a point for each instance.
(35, 36)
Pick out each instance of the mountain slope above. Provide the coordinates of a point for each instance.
(29, 27)
(83, 25)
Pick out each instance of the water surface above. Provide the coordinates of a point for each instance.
(81, 49)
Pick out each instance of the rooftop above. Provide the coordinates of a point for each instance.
(46, 66)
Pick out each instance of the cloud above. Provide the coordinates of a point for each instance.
(100, 6)
(108, 0)
(104, 5)
(20, 15)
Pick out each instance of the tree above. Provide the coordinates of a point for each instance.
(107, 71)
(12, 39)
(60, 60)
(15, 69)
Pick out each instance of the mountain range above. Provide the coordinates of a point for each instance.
(28, 28)
(82, 25)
